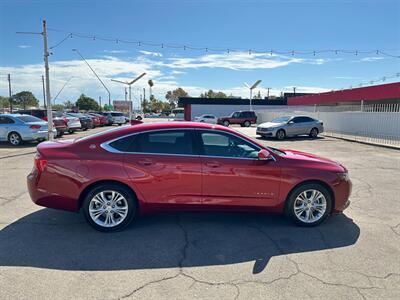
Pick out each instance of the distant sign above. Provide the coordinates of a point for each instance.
(121, 105)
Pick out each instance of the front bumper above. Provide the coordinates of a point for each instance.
(266, 133)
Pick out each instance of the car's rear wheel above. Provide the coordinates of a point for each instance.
(226, 123)
(309, 204)
(109, 207)
(14, 139)
(314, 133)
(281, 134)
(71, 131)
(246, 123)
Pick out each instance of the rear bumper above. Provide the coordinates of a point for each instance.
(43, 197)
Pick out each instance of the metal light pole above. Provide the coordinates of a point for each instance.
(108, 91)
(129, 84)
(54, 100)
(251, 88)
(9, 92)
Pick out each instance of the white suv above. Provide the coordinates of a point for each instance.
(118, 118)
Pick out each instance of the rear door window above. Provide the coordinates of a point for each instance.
(164, 142)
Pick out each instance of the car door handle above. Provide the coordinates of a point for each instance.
(145, 162)
(212, 164)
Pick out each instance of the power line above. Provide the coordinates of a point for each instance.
(227, 50)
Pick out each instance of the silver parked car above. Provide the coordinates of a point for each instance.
(16, 128)
(286, 126)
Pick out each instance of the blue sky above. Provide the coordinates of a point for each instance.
(281, 25)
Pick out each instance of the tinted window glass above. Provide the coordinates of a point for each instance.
(227, 145)
(235, 115)
(296, 120)
(123, 143)
(37, 113)
(117, 114)
(308, 119)
(6, 120)
(164, 142)
(28, 119)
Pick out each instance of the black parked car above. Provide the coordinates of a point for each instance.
(86, 122)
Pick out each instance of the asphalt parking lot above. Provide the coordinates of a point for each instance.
(46, 253)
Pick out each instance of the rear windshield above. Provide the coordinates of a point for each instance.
(117, 114)
(99, 134)
(29, 119)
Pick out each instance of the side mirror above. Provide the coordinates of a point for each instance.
(264, 154)
(290, 122)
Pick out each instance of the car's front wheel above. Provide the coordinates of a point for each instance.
(109, 207)
(247, 124)
(226, 123)
(309, 204)
(281, 134)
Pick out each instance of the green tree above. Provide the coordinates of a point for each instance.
(4, 102)
(24, 99)
(212, 94)
(87, 103)
(58, 107)
(68, 104)
(173, 96)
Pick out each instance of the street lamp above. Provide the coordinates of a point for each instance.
(251, 88)
(129, 83)
(108, 91)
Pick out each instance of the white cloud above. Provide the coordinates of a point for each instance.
(115, 51)
(157, 54)
(372, 58)
(24, 46)
(238, 61)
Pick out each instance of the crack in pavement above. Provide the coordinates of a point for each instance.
(184, 250)
(10, 199)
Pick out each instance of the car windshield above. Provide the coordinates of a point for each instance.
(29, 119)
(281, 119)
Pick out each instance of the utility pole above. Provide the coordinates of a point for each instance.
(47, 77)
(44, 92)
(294, 90)
(9, 92)
(126, 94)
(268, 92)
(100, 100)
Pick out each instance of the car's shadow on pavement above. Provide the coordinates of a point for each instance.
(291, 139)
(60, 240)
(24, 145)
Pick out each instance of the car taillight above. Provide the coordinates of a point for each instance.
(35, 126)
(40, 162)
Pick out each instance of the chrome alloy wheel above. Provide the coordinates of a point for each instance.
(108, 208)
(310, 206)
(14, 139)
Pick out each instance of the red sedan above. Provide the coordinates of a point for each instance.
(115, 175)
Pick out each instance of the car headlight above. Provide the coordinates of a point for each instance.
(343, 176)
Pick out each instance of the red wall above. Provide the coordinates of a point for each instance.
(370, 93)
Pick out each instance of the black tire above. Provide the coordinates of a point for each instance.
(314, 133)
(139, 118)
(86, 128)
(226, 123)
(71, 131)
(291, 200)
(281, 134)
(246, 123)
(59, 134)
(125, 192)
(14, 138)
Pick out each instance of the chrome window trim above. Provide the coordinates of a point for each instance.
(106, 145)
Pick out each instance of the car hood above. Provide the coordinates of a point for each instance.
(270, 125)
(313, 160)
